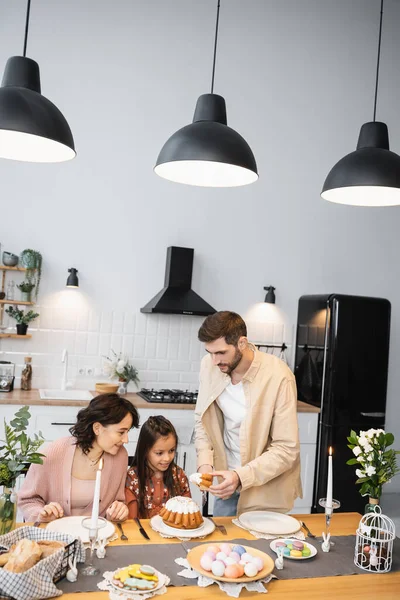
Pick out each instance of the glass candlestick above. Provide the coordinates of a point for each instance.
(90, 569)
(328, 514)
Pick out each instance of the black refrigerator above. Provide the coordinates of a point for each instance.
(341, 367)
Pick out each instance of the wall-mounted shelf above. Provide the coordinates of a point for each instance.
(15, 336)
(16, 302)
(4, 268)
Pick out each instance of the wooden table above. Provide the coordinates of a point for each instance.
(350, 587)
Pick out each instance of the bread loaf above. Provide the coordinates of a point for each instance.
(25, 554)
(48, 547)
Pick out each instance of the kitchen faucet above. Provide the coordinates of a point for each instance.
(64, 359)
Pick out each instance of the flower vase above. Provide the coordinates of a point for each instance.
(370, 507)
(8, 510)
(123, 387)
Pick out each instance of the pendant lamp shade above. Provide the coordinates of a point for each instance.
(207, 152)
(369, 176)
(32, 128)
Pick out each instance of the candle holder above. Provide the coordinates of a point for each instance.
(90, 569)
(328, 515)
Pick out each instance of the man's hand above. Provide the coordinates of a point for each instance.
(205, 469)
(118, 511)
(229, 484)
(51, 512)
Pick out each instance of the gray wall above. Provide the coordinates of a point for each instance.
(298, 78)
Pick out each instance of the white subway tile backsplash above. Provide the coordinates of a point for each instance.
(164, 348)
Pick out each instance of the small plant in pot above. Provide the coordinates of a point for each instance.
(32, 261)
(22, 318)
(26, 288)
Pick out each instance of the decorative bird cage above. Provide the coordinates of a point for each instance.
(374, 542)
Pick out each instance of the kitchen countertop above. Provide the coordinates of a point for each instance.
(33, 399)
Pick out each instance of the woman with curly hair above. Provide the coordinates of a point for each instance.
(64, 484)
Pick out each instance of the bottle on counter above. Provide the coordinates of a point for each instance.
(26, 375)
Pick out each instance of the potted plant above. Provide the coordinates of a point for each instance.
(17, 452)
(118, 366)
(32, 261)
(22, 318)
(26, 288)
(376, 464)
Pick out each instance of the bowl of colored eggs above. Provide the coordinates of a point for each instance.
(232, 563)
(294, 549)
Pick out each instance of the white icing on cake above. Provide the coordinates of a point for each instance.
(181, 504)
(195, 478)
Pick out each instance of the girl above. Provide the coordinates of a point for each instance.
(154, 477)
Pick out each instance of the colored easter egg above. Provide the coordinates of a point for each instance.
(239, 549)
(235, 556)
(218, 568)
(226, 548)
(296, 553)
(242, 562)
(213, 548)
(240, 570)
(246, 557)
(297, 545)
(306, 551)
(232, 571)
(258, 562)
(250, 569)
(206, 562)
(211, 554)
(229, 561)
(221, 556)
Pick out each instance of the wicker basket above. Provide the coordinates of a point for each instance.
(106, 388)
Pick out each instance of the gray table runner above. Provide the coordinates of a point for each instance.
(339, 561)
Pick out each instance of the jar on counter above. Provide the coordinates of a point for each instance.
(26, 375)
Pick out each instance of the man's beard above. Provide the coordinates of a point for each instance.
(236, 360)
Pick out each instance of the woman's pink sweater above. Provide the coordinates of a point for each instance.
(51, 481)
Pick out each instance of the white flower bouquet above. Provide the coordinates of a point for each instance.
(376, 464)
(118, 367)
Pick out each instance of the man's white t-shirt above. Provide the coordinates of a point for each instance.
(232, 403)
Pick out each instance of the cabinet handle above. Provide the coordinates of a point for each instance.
(373, 415)
(184, 461)
(62, 423)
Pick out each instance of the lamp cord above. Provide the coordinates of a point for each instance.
(378, 60)
(28, 10)
(215, 47)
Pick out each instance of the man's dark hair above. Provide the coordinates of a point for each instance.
(226, 324)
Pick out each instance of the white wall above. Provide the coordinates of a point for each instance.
(298, 79)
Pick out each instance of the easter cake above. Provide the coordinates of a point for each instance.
(181, 512)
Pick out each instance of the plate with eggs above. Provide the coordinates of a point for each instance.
(232, 563)
(294, 549)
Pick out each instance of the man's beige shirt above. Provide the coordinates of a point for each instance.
(269, 437)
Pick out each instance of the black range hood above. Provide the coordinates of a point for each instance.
(177, 297)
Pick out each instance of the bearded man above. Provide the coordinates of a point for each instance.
(246, 421)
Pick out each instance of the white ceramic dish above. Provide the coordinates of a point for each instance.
(133, 593)
(158, 525)
(310, 546)
(269, 522)
(73, 526)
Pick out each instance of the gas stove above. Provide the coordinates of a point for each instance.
(169, 396)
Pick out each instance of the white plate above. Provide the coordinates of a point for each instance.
(312, 548)
(269, 522)
(158, 525)
(73, 526)
(133, 593)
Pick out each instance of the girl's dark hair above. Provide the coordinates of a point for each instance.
(106, 409)
(151, 431)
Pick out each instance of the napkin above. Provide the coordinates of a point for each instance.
(107, 586)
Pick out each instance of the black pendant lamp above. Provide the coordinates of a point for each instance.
(370, 176)
(72, 281)
(32, 128)
(208, 152)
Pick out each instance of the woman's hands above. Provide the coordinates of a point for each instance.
(51, 512)
(118, 511)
